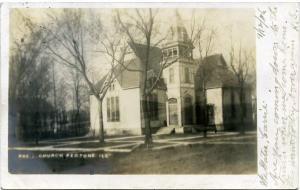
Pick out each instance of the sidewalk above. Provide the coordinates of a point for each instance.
(129, 144)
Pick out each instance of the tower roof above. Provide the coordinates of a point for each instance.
(177, 31)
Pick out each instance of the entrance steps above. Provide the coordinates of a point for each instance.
(169, 130)
(183, 129)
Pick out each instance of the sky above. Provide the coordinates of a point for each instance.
(235, 23)
(238, 20)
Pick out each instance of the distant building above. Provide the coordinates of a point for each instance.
(178, 100)
(219, 85)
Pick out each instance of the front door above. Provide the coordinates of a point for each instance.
(173, 114)
(188, 110)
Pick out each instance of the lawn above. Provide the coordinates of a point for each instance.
(191, 159)
(91, 145)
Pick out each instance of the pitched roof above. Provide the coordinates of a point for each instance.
(128, 79)
(177, 31)
(155, 56)
(214, 70)
(131, 79)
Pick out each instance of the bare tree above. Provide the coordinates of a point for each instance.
(241, 62)
(77, 89)
(142, 28)
(32, 98)
(25, 56)
(38, 90)
(202, 37)
(71, 36)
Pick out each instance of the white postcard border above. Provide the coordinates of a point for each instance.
(131, 181)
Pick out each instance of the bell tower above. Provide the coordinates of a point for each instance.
(178, 43)
(179, 76)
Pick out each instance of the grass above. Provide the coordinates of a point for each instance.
(191, 159)
(92, 145)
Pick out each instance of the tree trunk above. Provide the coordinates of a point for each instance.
(36, 127)
(205, 110)
(77, 120)
(101, 130)
(146, 121)
(242, 102)
(204, 114)
(13, 129)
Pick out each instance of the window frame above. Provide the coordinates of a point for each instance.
(108, 109)
(187, 78)
(174, 50)
(113, 109)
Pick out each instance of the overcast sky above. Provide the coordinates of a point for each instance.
(238, 23)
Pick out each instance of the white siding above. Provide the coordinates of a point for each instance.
(214, 96)
(130, 112)
(129, 107)
(94, 116)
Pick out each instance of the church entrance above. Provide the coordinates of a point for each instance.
(173, 114)
(188, 110)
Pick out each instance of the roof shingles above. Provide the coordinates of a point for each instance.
(132, 79)
(214, 71)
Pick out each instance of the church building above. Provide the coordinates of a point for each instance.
(178, 101)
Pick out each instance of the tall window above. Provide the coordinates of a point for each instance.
(108, 111)
(112, 101)
(153, 106)
(173, 115)
(113, 111)
(171, 75)
(165, 54)
(187, 75)
(175, 52)
(170, 52)
(183, 52)
(117, 109)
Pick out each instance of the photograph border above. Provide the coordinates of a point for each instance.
(78, 181)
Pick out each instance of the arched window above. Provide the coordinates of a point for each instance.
(165, 54)
(173, 115)
(113, 110)
(187, 75)
(172, 101)
(175, 51)
(170, 52)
